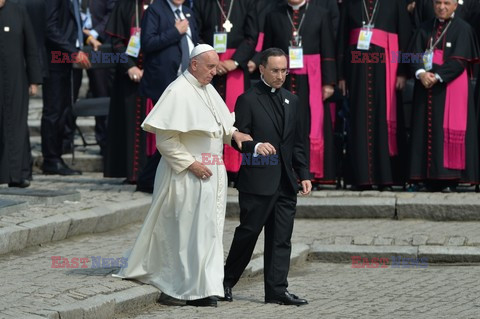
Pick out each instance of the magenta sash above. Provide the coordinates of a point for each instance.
(151, 139)
(261, 37)
(234, 88)
(313, 69)
(388, 41)
(454, 118)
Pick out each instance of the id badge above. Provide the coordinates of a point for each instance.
(428, 60)
(220, 42)
(133, 48)
(364, 39)
(295, 55)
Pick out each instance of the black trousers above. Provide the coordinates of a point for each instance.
(100, 84)
(276, 213)
(57, 107)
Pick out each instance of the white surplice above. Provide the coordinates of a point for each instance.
(179, 249)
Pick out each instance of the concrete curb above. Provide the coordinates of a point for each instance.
(390, 206)
(54, 228)
(434, 254)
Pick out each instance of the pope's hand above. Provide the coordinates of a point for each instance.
(240, 137)
(306, 187)
(200, 170)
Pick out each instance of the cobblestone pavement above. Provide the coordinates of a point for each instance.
(29, 284)
(338, 291)
(94, 190)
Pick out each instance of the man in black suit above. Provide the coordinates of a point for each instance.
(267, 184)
(95, 15)
(63, 35)
(169, 34)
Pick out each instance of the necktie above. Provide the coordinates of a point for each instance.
(76, 12)
(184, 46)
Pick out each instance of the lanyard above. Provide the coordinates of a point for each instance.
(227, 16)
(137, 19)
(370, 19)
(440, 37)
(295, 30)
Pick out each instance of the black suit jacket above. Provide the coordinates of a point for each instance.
(100, 11)
(61, 31)
(161, 46)
(254, 115)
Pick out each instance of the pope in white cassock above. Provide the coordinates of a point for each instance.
(179, 249)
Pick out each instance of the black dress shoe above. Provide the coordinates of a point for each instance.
(287, 299)
(59, 168)
(144, 189)
(22, 184)
(385, 188)
(228, 294)
(204, 302)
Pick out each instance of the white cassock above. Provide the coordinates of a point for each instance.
(179, 249)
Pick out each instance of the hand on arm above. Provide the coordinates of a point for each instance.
(240, 137)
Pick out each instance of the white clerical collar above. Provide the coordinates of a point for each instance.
(298, 6)
(451, 17)
(174, 7)
(193, 80)
(273, 90)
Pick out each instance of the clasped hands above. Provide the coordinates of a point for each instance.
(428, 79)
(226, 66)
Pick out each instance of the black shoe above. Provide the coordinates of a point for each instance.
(22, 184)
(385, 188)
(204, 302)
(228, 294)
(361, 188)
(287, 299)
(144, 189)
(59, 168)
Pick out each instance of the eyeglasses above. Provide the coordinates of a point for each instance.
(279, 71)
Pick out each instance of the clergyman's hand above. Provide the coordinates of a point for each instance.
(306, 187)
(327, 91)
(251, 66)
(200, 170)
(240, 137)
(266, 149)
(33, 89)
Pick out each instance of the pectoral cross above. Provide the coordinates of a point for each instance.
(227, 26)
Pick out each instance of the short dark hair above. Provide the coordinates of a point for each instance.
(270, 52)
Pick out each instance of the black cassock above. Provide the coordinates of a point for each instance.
(242, 38)
(19, 67)
(317, 38)
(368, 153)
(468, 10)
(427, 148)
(126, 150)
